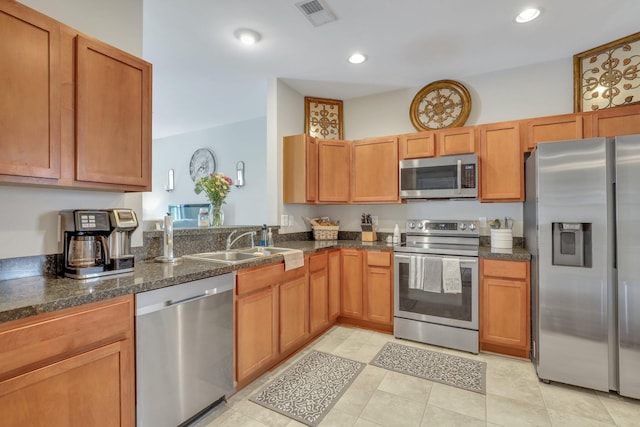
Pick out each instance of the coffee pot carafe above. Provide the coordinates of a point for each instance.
(83, 242)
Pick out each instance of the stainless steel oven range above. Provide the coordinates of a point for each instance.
(436, 284)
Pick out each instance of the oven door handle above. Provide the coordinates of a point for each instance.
(462, 260)
(459, 176)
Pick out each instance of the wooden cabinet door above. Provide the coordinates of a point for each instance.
(613, 122)
(29, 93)
(505, 307)
(113, 116)
(79, 391)
(554, 128)
(379, 287)
(351, 281)
(456, 141)
(334, 284)
(375, 170)
(294, 313)
(318, 301)
(417, 145)
(256, 331)
(300, 169)
(501, 163)
(334, 166)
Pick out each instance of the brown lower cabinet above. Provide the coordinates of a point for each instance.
(318, 292)
(73, 367)
(367, 288)
(505, 313)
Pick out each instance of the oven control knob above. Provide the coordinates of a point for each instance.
(472, 227)
(420, 226)
(463, 226)
(412, 225)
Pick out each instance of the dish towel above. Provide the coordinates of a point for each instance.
(425, 274)
(416, 272)
(293, 259)
(451, 280)
(432, 274)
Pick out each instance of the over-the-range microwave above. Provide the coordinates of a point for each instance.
(447, 177)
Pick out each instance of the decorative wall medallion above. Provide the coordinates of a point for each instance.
(607, 76)
(323, 118)
(202, 163)
(441, 104)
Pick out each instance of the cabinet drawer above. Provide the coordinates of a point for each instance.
(512, 269)
(32, 342)
(253, 279)
(318, 262)
(380, 259)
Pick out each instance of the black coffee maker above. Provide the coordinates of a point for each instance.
(84, 243)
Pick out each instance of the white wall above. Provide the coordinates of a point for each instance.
(117, 22)
(231, 143)
(28, 218)
(532, 91)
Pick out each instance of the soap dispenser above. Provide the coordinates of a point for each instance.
(263, 235)
(270, 238)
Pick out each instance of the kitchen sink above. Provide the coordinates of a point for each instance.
(227, 257)
(236, 256)
(263, 251)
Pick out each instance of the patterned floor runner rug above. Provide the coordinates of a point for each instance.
(308, 390)
(457, 371)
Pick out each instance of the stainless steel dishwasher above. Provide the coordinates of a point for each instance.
(184, 350)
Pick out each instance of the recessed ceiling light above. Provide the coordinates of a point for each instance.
(527, 15)
(357, 58)
(247, 36)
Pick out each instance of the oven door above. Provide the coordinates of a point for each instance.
(459, 310)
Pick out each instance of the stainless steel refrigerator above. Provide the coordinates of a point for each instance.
(582, 225)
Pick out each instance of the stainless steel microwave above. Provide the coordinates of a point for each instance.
(448, 177)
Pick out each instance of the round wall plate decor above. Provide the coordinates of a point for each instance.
(441, 104)
(203, 163)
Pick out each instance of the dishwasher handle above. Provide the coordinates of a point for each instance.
(164, 298)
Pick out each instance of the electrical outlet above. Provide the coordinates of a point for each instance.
(291, 221)
(483, 221)
(374, 220)
(284, 220)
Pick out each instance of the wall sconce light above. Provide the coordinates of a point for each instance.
(239, 174)
(170, 182)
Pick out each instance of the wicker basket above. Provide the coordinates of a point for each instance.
(325, 232)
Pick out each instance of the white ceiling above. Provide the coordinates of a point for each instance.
(203, 77)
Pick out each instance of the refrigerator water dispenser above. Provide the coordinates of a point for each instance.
(571, 244)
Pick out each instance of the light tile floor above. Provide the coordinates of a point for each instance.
(379, 397)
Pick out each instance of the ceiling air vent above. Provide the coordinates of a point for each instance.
(316, 11)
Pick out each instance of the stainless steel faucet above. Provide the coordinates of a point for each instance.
(231, 242)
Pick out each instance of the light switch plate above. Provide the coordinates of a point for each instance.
(284, 220)
(291, 221)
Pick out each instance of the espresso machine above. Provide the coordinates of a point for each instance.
(96, 242)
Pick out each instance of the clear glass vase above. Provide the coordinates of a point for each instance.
(216, 216)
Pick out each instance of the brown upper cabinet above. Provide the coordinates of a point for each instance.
(113, 115)
(418, 145)
(300, 169)
(334, 160)
(374, 170)
(30, 88)
(438, 143)
(501, 163)
(75, 112)
(613, 122)
(552, 128)
(456, 141)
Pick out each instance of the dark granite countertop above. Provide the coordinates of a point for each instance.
(515, 254)
(24, 297)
